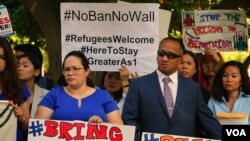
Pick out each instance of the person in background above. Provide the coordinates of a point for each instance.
(210, 62)
(189, 67)
(77, 100)
(12, 89)
(172, 107)
(21, 49)
(29, 72)
(117, 84)
(231, 91)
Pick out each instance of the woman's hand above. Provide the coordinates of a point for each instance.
(124, 74)
(19, 113)
(212, 52)
(95, 119)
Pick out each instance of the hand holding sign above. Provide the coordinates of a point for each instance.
(95, 119)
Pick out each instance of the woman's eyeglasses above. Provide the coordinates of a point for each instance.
(74, 70)
(170, 55)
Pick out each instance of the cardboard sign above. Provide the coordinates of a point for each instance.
(232, 118)
(224, 30)
(55, 130)
(112, 34)
(163, 137)
(5, 24)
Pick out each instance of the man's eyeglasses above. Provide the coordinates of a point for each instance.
(74, 69)
(170, 55)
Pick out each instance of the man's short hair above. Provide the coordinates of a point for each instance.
(29, 48)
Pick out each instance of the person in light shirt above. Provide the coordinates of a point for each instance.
(231, 91)
(29, 68)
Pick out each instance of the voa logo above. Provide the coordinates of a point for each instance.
(236, 132)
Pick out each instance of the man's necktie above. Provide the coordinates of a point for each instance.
(168, 96)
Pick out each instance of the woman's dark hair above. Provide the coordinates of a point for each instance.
(84, 61)
(116, 95)
(78, 54)
(190, 53)
(29, 48)
(10, 84)
(247, 62)
(217, 89)
(36, 62)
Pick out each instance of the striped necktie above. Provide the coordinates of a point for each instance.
(168, 96)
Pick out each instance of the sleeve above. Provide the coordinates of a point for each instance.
(130, 112)
(121, 102)
(209, 123)
(210, 105)
(109, 104)
(49, 100)
(26, 93)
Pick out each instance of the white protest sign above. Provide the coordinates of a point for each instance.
(112, 34)
(5, 24)
(55, 130)
(224, 30)
(164, 21)
(8, 121)
(164, 137)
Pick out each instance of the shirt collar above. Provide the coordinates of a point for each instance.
(173, 77)
(242, 94)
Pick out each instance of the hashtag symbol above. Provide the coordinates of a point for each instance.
(67, 38)
(84, 49)
(151, 138)
(67, 15)
(36, 128)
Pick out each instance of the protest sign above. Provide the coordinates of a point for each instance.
(224, 30)
(112, 34)
(5, 24)
(8, 121)
(164, 137)
(55, 130)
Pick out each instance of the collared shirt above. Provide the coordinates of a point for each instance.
(241, 105)
(173, 84)
(120, 104)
